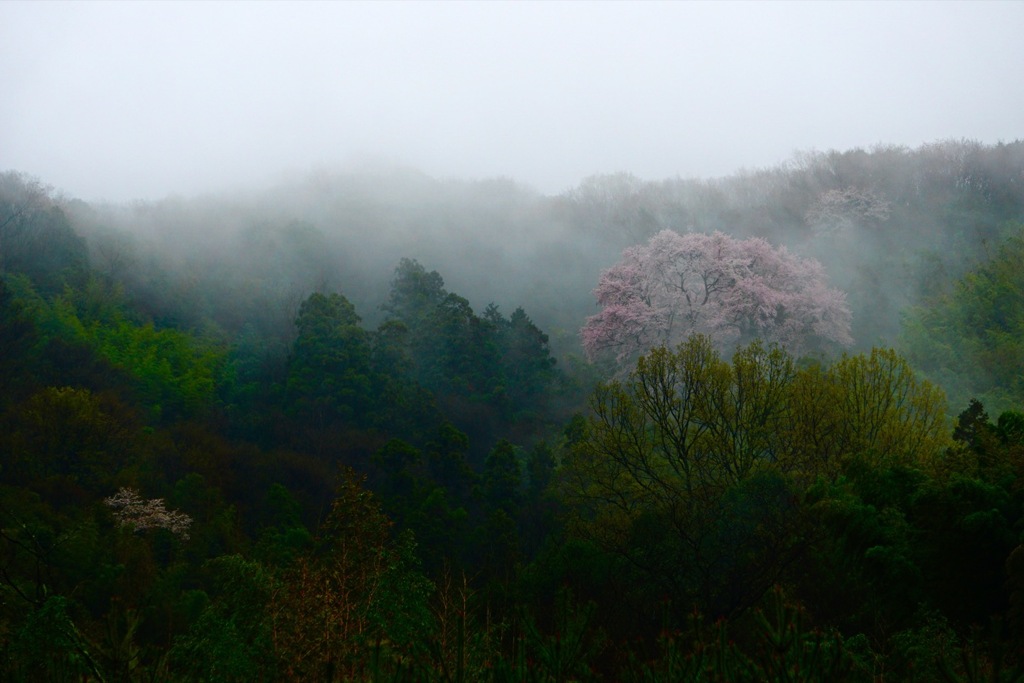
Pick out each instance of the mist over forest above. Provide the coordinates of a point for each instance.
(562, 342)
(472, 418)
(893, 227)
(532, 342)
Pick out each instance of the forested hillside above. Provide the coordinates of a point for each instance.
(371, 425)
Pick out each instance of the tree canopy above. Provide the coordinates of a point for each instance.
(970, 336)
(731, 290)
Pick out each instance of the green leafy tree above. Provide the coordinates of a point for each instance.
(18, 337)
(331, 384)
(864, 574)
(660, 475)
(71, 435)
(415, 293)
(537, 515)
(454, 353)
(50, 647)
(407, 409)
(402, 481)
(888, 412)
(784, 646)
(502, 496)
(36, 236)
(528, 370)
(282, 535)
(869, 406)
(502, 478)
(355, 589)
(969, 337)
(174, 373)
(464, 360)
(430, 495)
(232, 638)
(329, 369)
(448, 464)
(693, 468)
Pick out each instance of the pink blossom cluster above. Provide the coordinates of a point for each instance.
(131, 510)
(730, 290)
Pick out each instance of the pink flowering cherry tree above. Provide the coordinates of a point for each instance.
(731, 290)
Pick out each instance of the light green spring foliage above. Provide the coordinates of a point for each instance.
(688, 426)
(970, 338)
(175, 372)
(887, 414)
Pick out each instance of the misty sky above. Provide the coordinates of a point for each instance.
(125, 101)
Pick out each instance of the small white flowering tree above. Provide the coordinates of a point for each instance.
(132, 510)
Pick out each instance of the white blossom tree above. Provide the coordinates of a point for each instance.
(836, 211)
(131, 510)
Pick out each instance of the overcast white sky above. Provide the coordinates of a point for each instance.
(140, 100)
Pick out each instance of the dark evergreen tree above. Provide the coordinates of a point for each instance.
(330, 381)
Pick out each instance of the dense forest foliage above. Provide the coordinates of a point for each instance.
(345, 429)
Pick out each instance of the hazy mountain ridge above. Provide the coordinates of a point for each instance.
(884, 222)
